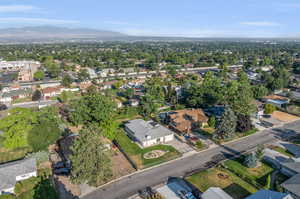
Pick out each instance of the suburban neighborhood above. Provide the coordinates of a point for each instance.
(201, 120)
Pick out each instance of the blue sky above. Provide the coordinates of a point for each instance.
(191, 18)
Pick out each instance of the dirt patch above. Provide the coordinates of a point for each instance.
(65, 188)
(120, 165)
(154, 154)
(284, 117)
(222, 176)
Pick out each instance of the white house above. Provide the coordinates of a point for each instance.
(148, 133)
(13, 172)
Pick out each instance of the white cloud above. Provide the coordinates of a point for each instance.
(42, 21)
(260, 23)
(16, 8)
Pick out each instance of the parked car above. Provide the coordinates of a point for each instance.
(62, 171)
(59, 165)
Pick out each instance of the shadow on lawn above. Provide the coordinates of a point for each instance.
(236, 191)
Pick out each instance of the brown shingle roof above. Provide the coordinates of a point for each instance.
(184, 119)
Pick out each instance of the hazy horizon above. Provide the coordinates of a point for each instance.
(169, 18)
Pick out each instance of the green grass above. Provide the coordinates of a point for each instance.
(255, 176)
(136, 153)
(199, 145)
(282, 151)
(237, 135)
(11, 155)
(232, 184)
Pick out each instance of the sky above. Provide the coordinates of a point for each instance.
(188, 18)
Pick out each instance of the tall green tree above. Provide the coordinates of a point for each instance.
(227, 125)
(91, 161)
(39, 75)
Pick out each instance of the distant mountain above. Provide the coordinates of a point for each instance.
(55, 34)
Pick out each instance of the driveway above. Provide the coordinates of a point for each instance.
(180, 146)
(130, 185)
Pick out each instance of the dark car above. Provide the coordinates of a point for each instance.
(3, 107)
(62, 171)
(59, 165)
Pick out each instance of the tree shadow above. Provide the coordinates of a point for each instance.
(236, 191)
(62, 191)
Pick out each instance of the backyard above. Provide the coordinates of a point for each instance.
(136, 154)
(256, 176)
(226, 180)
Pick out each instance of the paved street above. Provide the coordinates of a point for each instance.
(130, 185)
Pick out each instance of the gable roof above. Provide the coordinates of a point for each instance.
(15, 93)
(269, 195)
(9, 171)
(294, 166)
(293, 185)
(215, 193)
(184, 119)
(145, 130)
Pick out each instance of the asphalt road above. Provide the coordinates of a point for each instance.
(129, 186)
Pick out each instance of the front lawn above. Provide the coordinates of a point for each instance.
(256, 176)
(136, 153)
(226, 180)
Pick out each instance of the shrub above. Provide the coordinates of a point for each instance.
(7, 196)
(212, 122)
(269, 109)
(25, 185)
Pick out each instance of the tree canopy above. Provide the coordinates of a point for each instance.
(91, 161)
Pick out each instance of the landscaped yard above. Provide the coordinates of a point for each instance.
(137, 154)
(226, 180)
(256, 176)
(282, 151)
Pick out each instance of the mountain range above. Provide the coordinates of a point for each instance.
(55, 34)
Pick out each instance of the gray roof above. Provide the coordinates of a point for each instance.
(145, 130)
(215, 193)
(9, 171)
(269, 194)
(294, 166)
(293, 185)
(17, 92)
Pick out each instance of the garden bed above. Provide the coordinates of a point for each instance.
(226, 180)
(136, 153)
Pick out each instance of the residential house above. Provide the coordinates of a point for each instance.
(184, 121)
(108, 84)
(91, 73)
(51, 92)
(276, 100)
(268, 194)
(8, 97)
(11, 173)
(215, 193)
(134, 102)
(290, 168)
(148, 133)
(292, 186)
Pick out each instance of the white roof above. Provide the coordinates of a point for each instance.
(215, 193)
